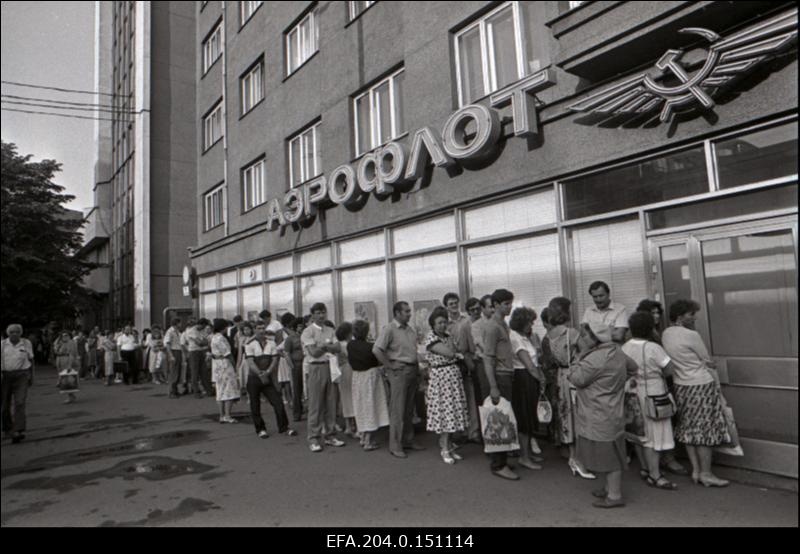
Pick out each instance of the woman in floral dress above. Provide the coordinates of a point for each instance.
(224, 372)
(446, 400)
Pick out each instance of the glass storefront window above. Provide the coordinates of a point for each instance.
(426, 234)
(252, 301)
(208, 283)
(227, 279)
(208, 305)
(251, 274)
(316, 259)
(422, 282)
(759, 156)
(318, 288)
(280, 267)
(751, 289)
(612, 253)
(676, 277)
(230, 304)
(729, 206)
(364, 296)
(281, 298)
(529, 268)
(514, 214)
(362, 249)
(646, 182)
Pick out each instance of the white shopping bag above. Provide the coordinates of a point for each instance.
(336, 373)
(498, 426)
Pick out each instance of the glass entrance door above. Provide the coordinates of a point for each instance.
(745, 278)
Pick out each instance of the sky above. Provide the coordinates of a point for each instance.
(51, 44)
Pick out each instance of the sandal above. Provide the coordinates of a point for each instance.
(661, 483)
(644, 474)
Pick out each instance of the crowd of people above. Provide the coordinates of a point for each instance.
(591, 376)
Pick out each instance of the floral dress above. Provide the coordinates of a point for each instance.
(222, 370)
(445, 397)
(563, 349)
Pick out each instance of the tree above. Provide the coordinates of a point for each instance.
(40, 274)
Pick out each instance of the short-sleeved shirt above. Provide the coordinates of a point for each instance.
(497, 346)
(399, 343)
(615, 315)
(651, 359)
(519, 344)
(314, 335)
(461, 331)
(253, 348)
(196, 340)
(18, 356)
(689, 354)
(360, 356)
(293, 348)
(127, 343)
(437, 361)
(172, 339)
(478, 330)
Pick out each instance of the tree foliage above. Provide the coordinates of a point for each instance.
(41, 276)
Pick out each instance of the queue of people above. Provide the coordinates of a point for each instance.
(589, 376)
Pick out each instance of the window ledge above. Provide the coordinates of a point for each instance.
(248, 210)
(371, 150)
(252, 108)
(298, 185)
(356, 18)
(301, 66)
(203, 76)
(212, 145)
(249, 19)
(217, 226)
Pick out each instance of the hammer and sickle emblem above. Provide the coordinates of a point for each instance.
(689, 88)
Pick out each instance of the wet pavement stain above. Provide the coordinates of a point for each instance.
(35, 508)
(187, 508)
(214, 475)
(152, 468)
(125, 448)
(105, 423)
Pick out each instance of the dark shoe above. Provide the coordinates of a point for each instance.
(536, 459)
(676, 469)
(599, 493)
(17, 438)
(608, 503)
(413, 446)
(506, 473)
(661, 483)
(199, 395)
(290, 433)
(398, 454)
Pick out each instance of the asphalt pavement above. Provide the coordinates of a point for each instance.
(130, 456)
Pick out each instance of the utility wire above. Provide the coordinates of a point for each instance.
(29, 98)
(65, 115)
(57, 88)
(37, 105)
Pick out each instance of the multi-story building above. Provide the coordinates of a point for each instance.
(360, 153)
(145, 171)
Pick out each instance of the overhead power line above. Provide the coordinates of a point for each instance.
(76, 108)
(32, 99)
(57, 88)
(64, 115)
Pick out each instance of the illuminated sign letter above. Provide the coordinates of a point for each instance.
(390, 162)
(342, 185)
(294, 204)
(487, 124)
(523, 108)
(367, 176)
(274, 215)
(314, 192)
(418, 159)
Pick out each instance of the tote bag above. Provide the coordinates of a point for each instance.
(498, 426)
(733, 448)
(544, 410)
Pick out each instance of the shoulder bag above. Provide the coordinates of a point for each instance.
(659, 406)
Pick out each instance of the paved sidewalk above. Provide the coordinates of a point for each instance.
(131, 456)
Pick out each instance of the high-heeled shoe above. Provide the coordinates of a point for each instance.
(578, 470)
(713, 481)
(448, 457)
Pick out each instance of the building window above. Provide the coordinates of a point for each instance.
(304, 159)
(212, 48)
(758, 156)
(252, 87)
(496, 51)
(357, 8)
(254, 187)
(212, 127)
(379, 113)
(214, 203)
(575, 4)
(247, 9)
(301, 42)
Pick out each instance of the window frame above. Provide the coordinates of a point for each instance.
(217, 107)
(317, 170)
(208, 207)
(244, 19)
(298, 28)
(488, 59)
(208, 64)
(374, 124)
(261, 193)
(244, 89)
(351, 5)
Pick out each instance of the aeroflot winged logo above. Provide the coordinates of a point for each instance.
(726, 59)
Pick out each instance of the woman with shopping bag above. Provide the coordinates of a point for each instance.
(599, 375)
(65, 351)
(701, 419)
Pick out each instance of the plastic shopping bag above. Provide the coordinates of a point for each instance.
(498, 426)
(733, 448)
(336, 373)
(544, 410)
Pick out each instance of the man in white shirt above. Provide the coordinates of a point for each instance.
(126, 346)
(17, 368)
(172, 342)
(606, 312)
(272, 325)
(262, 364)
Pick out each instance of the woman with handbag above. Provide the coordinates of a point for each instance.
(599, 374)
(701, 420)
(445, 397)
(653, 396)
(528, 379)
